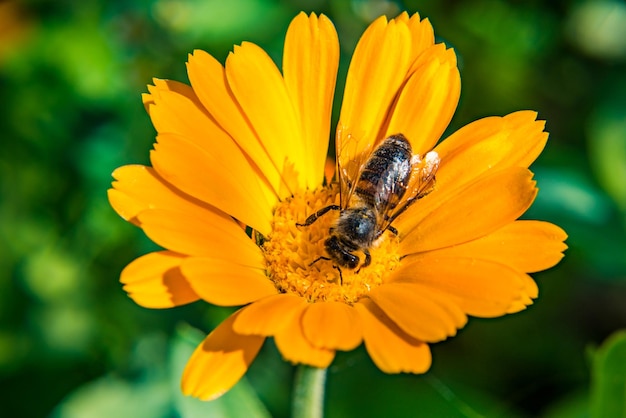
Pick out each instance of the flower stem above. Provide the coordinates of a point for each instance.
(308, 395)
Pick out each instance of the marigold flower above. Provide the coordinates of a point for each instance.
(239, 165)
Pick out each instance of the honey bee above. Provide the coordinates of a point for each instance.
(375, 189)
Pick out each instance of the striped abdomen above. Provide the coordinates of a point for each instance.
(385, 176)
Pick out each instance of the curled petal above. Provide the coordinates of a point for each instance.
(426, 316)
(155, 281)
(391, 349)
(220, 361)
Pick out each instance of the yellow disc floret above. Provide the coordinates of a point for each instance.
(293, 252)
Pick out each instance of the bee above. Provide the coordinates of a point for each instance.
(375, 188)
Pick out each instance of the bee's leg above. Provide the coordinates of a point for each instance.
(317, 214)
(366, 262)
(321, 257)
(340, 274)
(392, 230)
(404, 207)
(368, 259)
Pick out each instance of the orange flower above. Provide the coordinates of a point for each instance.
(241, 154)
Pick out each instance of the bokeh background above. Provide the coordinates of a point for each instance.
(73, 345)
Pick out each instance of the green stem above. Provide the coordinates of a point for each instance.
(308, 394)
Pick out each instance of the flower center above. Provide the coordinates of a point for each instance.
(293, 252)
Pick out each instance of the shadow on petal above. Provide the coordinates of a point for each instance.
(220, 361)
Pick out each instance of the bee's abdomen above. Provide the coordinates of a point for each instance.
(384, 178)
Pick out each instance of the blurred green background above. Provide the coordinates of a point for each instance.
(73, 345)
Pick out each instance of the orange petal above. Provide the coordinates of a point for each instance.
(490, 144)
(480, 288)
(296, 348)
(159, 85)
(527, 246)
(147, 100)
(155, 281)
(427, 316)
(269, 315)
(332, 325)
(220, 361)
(222, 179)
(212, 235)
(329, 170)
(422, 34)
(428, 99)
(208, 79)
(138, 188)
(226, 283)
(175, 108)
(451, 217)
(377, 70)
(310, 62)
(529, 292)
(390, 348)
(260, 90)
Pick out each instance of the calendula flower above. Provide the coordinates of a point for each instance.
(238, 167)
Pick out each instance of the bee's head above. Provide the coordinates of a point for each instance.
(340, 254)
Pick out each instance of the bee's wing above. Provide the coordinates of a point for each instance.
(351, 154)
(420, 183)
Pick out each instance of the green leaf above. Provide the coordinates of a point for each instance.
(147, 395)
(608, 378)
(113, 397)
(240, 401)
(570, 193)
(574, 405)
(607, 132)
(199, 20)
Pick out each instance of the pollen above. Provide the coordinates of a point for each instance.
(293, 252)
